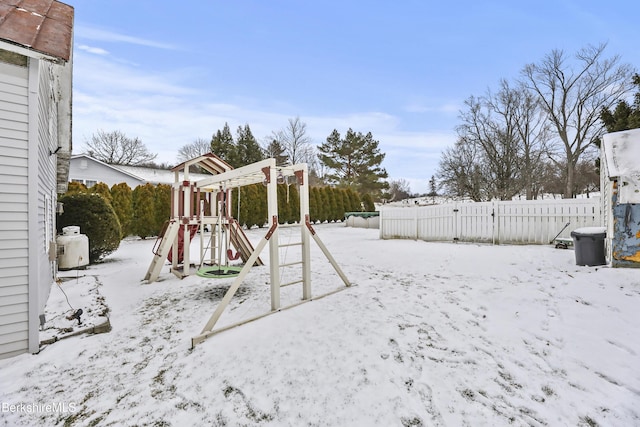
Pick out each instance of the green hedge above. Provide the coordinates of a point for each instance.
(143, 211)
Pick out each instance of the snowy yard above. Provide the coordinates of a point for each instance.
(431, 334)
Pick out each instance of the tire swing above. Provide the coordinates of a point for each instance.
(219, 271)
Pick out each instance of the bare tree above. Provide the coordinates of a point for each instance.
(461, 173)
(399, 189)
(195, 149)
(533, 128)
(118, 149)
(526, 128)
(574, 95)
(489, 125)
(295, 141)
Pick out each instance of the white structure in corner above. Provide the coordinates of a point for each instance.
(620, 187)
(265, 172)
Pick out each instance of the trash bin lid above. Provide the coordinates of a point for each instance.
(590, 231)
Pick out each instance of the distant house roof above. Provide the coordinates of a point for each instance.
(45, 26)
(159, 176)
(144, 174)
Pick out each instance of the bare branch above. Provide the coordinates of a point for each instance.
(118, 149)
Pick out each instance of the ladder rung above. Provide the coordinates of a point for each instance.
(290, 244)
(282, 285)
(290, 264)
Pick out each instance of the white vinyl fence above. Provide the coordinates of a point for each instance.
(513, 222)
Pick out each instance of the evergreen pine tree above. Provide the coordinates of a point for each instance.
(276, 150)
(222, 145)
(624, 116)
(247, 148)
(433, 190)
(354, 161)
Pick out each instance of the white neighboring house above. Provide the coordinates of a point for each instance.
(89, 171)
(36, 41)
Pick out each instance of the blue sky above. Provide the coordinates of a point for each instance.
(170, 72)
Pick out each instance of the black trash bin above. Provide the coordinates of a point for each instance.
(589, 245)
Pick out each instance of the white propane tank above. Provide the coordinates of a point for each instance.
(73, 249)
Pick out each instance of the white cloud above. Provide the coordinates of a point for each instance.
(94, 50)
(97, 34)
(105, 77)
(166, 110)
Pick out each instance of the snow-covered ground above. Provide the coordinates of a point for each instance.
(431, 334)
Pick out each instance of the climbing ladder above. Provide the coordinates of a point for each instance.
(303, 244)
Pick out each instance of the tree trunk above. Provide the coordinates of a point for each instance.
(568, 191)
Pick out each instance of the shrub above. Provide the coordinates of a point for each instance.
(284, 213)
(367, 201)
(76, 187)
(102, 189)
(338, 204)
(144, 215)
(355, 204)
(294, 202)
(96, 218)
(162, 205)
(122, 202)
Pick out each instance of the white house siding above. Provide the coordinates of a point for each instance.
(89, 172)
(14, 220)
(47, 141)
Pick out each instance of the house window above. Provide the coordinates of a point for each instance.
(87, 182)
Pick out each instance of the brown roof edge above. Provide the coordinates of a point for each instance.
(44, 26)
